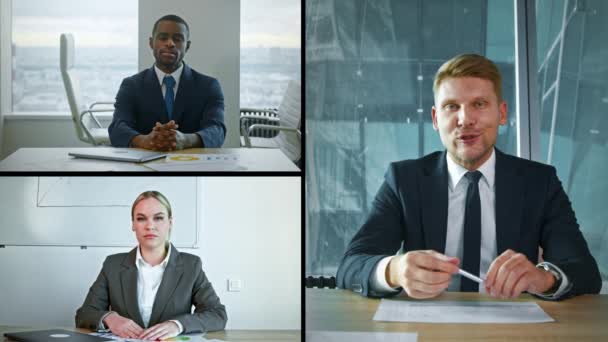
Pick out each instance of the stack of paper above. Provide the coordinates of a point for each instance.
(460, 312)
(180, 338)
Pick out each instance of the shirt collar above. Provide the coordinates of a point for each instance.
(487, 169)
(139, 259)
(177, 74)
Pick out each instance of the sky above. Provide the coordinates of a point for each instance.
(264, 23)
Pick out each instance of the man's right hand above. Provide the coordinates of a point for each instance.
(121, 326)
(422, 274)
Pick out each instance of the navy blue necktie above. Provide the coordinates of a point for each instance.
(472, 233)
(169, 82)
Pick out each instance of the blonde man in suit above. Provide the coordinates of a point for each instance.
(431, 208)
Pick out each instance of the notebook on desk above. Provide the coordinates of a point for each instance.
(53, 335)
(116, 154)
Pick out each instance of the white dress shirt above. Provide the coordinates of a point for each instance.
(148, 281)
(177, 74)
(457, 192)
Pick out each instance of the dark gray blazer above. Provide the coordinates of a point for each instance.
(184, 284)
(411, 208)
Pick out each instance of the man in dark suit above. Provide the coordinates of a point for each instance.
(470, 207)
(169, 106)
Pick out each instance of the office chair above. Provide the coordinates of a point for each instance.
(87, 125)
(285, 121)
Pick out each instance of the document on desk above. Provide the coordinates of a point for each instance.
(360, 336)
(180, 338)
(460, 312)
(198, 162)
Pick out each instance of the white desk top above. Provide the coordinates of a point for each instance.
(57, 159)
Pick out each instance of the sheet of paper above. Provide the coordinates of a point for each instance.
(198, 162)
(360, 336)
(460, 312)
(180, 338)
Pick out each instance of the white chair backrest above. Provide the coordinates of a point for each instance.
(72, 84)
(290, 114)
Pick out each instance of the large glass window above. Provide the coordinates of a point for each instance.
(270, 50)
(573, 84)
(369, 72)
(105, 35)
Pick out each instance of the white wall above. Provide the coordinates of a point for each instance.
(215, 50)
(250, 231)
(39, 131)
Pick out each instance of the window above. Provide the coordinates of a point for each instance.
(369, 74)
(270, 50)
(574, 128)
(105, 35)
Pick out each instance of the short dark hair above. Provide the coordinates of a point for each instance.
(174, 18)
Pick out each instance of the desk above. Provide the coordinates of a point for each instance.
(582, 318)
(57, 159)
(228, 335)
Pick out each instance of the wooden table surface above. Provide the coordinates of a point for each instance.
(582, 318)
(227, 335)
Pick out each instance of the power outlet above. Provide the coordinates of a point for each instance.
(234, 285)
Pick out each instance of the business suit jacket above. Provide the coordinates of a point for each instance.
(198, 107)
(411, 207)
(183, 284)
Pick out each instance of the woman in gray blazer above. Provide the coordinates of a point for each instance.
(149, 292)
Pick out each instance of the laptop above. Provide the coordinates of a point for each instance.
(53, 335)
(116, 154)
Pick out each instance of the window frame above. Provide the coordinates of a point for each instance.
(526, 81)
(6, 62)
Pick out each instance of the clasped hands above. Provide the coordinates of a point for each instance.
(163, 137)
(126, 328)
(426, 274)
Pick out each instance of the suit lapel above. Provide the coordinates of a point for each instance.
(182, 93)
(434, 193)
(171, 278)
(155, 92)
(509, 203)
(128, 281)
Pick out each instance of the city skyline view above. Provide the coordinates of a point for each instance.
(270, 51)
(37, 26)
(38, 87)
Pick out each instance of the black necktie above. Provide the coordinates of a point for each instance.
(472, 233)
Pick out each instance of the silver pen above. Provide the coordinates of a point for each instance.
(470, 276)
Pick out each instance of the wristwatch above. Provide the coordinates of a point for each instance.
(556, 275)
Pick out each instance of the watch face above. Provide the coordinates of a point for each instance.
(556, 275)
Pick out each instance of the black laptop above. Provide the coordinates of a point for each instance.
(57, 335)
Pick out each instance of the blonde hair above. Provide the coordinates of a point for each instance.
(470, 65)
(152, 194)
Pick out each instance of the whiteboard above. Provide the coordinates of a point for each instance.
(90, 211)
